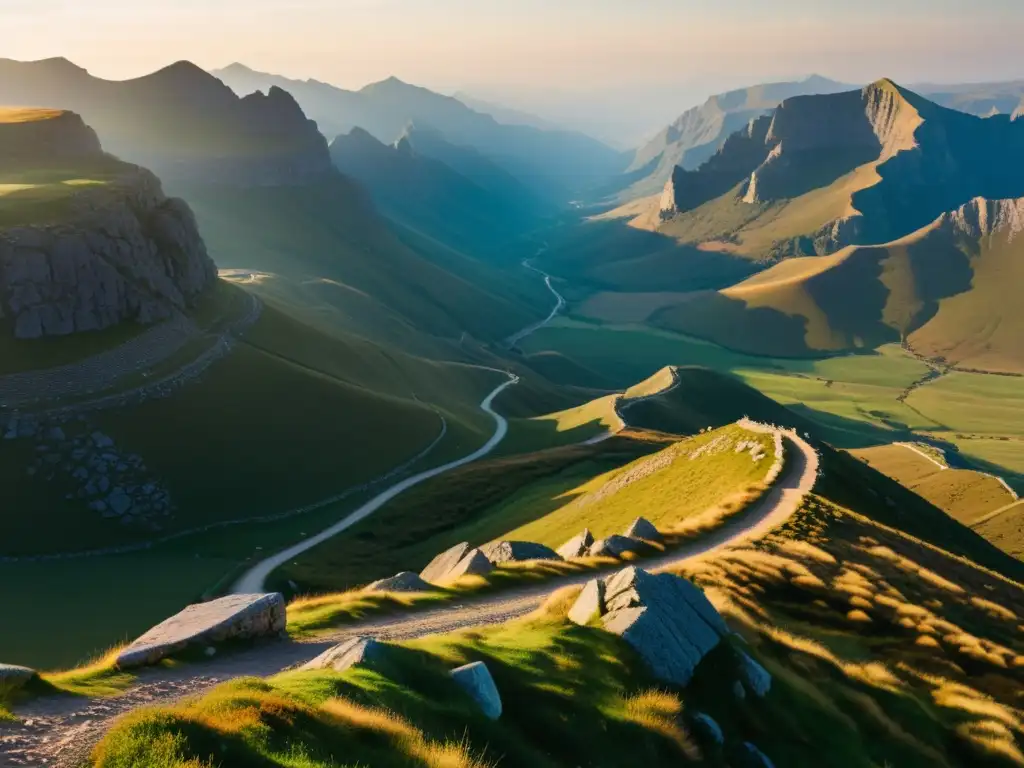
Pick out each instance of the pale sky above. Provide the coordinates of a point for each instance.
(533, 49)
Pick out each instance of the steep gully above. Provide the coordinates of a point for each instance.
(61, 731)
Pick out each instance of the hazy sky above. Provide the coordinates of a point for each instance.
(528, 50)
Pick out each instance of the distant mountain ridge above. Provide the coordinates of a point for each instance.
(556, 162)
(699, 132)
(180, 121)
(426, 194)
(822, 172)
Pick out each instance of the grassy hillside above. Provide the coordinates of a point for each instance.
(690, 477)
(946, 290)
(966, 495)
(882, 648)
(329, 233)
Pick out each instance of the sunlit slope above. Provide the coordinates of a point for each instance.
(949, 290)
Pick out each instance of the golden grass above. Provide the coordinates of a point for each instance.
(28, 114)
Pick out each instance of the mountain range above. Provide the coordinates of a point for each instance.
(822, 172)
(179, 121)
(699, 132)
(555, 163)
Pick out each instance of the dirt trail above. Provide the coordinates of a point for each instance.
(61, 731)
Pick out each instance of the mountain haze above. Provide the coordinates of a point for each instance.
(180, 121)
(556, 162)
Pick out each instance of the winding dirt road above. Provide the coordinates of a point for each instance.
(61, 731)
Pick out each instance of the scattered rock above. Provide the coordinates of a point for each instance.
(101, 441)
(475, 679)
(56, 434)
(232, 617)
(354, 652)
(499, 552)
(666, 619)
(401, 582)
(119, 502)
(642, 529)
(739, 691)
(473, 564)
(616, 546)
(589, 604)
(577, 546)
(754, 757)
(440, 565)
(756, 678)
(708, 729)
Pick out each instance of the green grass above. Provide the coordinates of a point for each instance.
(43, 195)
(666, 488)
(464, 505)
(973, 403)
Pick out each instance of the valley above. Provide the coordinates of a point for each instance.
(344, 421)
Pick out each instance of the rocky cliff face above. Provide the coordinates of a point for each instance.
(118, 251)
(28, 136)
(982, 218)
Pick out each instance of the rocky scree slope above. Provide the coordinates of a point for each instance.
(111, 250)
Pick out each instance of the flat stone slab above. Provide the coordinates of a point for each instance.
(475, 679)
(590, 603)
(235, 617)
(354, 652)
(401, 582)
(499, 552)
(439, 567)
(13, 676)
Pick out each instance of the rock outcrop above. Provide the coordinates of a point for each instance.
(400, 582)
(499, 552)
(32, 135)
(204, 625)
(577, 546)
(981, 218)
(475, 679)
(112, 250)
(354, 652)
(666, 619)
(641, 528)
(444, 562)
(617, 546)
(475, 563)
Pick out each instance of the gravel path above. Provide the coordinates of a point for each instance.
(61, 731)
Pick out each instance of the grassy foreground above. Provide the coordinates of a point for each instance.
(881, 649)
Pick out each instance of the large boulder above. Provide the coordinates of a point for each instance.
(440, 565)
(354, 652)
(475, 679)
(473, 564)
(235, 617)
(577, 546)
(617, 546)
(753, 757)
(499, 552)
(666, 619)
(401, 582)
(13, 677)
(642, 529)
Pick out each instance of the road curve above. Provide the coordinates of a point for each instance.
(513, 340)
(64, 729)
(252, 581)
